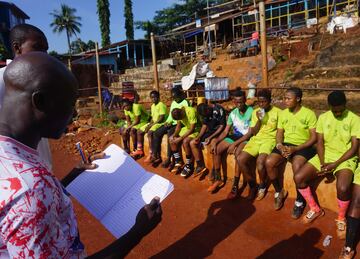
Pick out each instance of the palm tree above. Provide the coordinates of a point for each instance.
(65, 19)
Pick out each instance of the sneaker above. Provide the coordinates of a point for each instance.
(199, 170)
(187, 170)
(170, 166)
(279, 199)
(312, 215)
(347, 253)
(177, 168)
(166, 163)
(261, 194)
(212, 176)
(233, 194)
(148, 159)
(297, 211)
(252, 194)
(340, 228)
(215, 186)
(137, 154)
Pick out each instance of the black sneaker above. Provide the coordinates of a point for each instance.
(298, 211)
(187, 170)
(199, 170)
(171, 165)
(233, 194)
(166, 163)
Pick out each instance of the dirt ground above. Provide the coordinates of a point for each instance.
(197, 224)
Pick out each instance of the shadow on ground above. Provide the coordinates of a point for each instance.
(222, 219)
(296, 246)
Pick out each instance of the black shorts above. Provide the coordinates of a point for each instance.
(307, 153)
(206, 135)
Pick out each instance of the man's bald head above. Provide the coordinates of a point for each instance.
(43, 89)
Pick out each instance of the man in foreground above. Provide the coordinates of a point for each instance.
(25, 38)
(37, 219)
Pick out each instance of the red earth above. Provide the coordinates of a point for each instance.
(197, 224)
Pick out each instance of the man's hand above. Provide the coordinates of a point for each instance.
(287, 151)
(196, 141)
(177, 140)
(206, 142)
(328, 167)
(147, 128)
(213, 148)
(231, 149)
(148, 217)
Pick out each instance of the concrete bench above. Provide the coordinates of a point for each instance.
(326, 192)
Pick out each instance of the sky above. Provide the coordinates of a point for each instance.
(39, 13)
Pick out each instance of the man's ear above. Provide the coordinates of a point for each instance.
(39, 101)
(16, 46)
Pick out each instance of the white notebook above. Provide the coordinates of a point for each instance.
(116, 190)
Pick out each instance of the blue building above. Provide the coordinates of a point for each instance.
(119, 56)
(10, 15)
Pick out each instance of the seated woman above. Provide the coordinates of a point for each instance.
(136, 117)
(337, 143)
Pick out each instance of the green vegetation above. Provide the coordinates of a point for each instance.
(129, 20)
(66, 20)
(176, 15)
(103, 12)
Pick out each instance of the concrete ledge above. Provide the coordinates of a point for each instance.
(326, 192)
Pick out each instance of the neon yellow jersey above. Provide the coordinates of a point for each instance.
(338, 132)
(174, 104)
(268, 124)
(190, 117)
(137, 110)
(297, 126)
(157, 110)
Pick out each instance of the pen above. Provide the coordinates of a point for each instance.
(81, 151)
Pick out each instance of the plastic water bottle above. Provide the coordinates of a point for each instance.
(327, 240)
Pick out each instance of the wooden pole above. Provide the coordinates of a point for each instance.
(263, 44)
(154, 60)
(98, 78)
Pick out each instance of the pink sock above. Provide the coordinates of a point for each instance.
(343, 206)
(306, 193)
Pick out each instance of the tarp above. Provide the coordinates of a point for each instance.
(193, 33)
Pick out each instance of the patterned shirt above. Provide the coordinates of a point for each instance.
(218, 118)
(37, 219)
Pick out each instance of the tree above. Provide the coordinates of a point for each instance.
(176, 15)
(148, 27)
(103, 12)
(78, 46)
(66, 20)
(90, 45)
(129, 20)
(53, 53)
(4, 53)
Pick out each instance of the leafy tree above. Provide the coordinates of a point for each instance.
(103, 12)
(78, 46)
(176, 15)
(129, 20)
(90, 45)
(4, 53)
(53, 53)
(148, 27)
(66, 20)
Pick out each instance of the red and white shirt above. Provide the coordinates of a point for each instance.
(37, 219)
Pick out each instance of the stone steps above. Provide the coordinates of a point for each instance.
(350, 82)
(345, 71)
